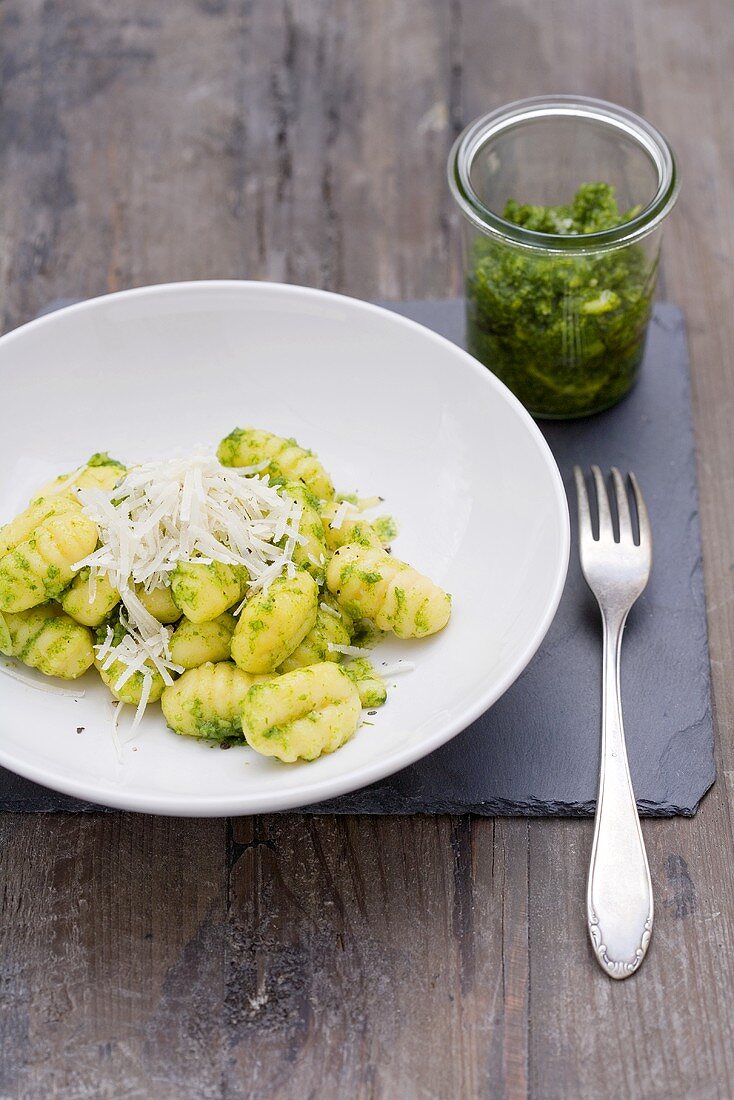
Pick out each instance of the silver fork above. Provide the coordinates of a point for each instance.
(619, 905)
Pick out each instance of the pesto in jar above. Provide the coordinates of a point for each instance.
(565, 331)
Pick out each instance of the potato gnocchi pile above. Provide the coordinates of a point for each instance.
(235, 588)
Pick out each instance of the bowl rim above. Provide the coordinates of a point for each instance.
(306, 794)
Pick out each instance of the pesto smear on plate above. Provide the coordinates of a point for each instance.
(565, 331)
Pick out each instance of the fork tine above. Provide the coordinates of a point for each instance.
(643, 518)
(623, 508)
(583, 503)
(606, 531)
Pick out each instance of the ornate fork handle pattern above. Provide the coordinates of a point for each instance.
(619, 899)
(618, 968)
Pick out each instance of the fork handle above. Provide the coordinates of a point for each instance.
(619, 901)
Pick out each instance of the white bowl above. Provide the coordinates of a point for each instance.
(391, 408)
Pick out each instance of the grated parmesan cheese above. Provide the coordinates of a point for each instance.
(341, 514)
(348, 650)
(116, 710)
(330, 610)
(29, 680)
(174, 510)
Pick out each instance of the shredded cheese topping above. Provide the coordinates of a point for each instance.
(29, 680)
(348, 650)
(341, 514)
(181, 510)
(330, 610)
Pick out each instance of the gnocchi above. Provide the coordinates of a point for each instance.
(90, 602)
(131, 691)
(202, 591)
(39, 566)
(46, 638)
(24, 524)
(283, 457)
(369, 582)
(301, 714)
(116, 676)
(318, 645)
(194, 644)
(273, 623)
(355, 529)
(235, 589)
(205, 702)
(159, 603)
(99, 472)
(371, 687)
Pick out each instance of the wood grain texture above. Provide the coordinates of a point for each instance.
(289, 957)
(111, 943)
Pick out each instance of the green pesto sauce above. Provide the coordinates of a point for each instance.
(354, 611)
(370, 578)
(565, 332)
(101, 458)
(220, 729)
(6, 638)
(371, 687)
(421, 621)
(386, 527)
(364, 633)
(347, 571)
(113, 623)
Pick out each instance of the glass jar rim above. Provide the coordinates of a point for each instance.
(478, 133)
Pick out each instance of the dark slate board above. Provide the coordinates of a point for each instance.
(536, 751)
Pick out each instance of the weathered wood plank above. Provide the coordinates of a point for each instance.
(363, 963)
(672, 1022)
(110, 955)
(576, 1014)
(272, 141)
(118, 148)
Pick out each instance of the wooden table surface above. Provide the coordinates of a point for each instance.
(296, 957)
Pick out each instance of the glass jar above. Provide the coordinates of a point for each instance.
(560, 313)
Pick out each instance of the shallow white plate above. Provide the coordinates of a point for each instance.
(390, 408)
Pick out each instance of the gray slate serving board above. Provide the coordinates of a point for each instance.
(536, 751)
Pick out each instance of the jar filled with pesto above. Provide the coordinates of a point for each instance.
(563, 201)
